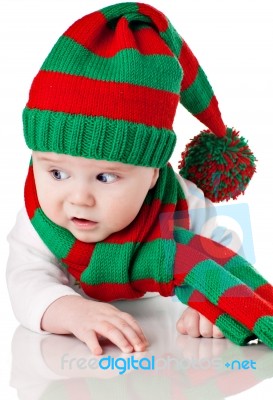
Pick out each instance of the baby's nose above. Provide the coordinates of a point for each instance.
(83, 195)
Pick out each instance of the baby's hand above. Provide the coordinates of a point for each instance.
(195, 324)
(88, 320)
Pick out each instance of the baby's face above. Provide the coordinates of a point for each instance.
(91, 198)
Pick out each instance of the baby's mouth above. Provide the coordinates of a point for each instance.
(83, 223)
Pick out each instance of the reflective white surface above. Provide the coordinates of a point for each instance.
(181, 367)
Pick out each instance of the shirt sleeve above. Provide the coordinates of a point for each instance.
(34, 277)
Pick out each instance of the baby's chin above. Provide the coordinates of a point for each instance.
(89, 237)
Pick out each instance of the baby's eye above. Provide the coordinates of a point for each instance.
(59, 175)
(107, 178)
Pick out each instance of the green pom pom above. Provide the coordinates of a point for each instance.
(221, 167)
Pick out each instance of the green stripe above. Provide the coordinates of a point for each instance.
(60, 242)
(127, 66)
(183, 236)
(87, 136)
(166, 191)
(241, 268)
(112, 12)
(136, 24)
(197, 97)
(211, 280)
(233, 330)
(111, 259)
(138, 21)
(263, 329)
(172, 39)
(153, 260)
(184, 293)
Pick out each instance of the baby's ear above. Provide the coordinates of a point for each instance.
(155, 177)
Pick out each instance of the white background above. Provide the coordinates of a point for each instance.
(233, 42)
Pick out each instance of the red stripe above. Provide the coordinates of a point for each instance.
(88, 29)
(181, 216)
(211, 117)
(95, 35)
(148, 42)
(244, 305)
(150, 285)
(186, 259)
(265, 291)
(78, 258)
(200, 303)
(156, 16)
(189, 65)
(132, 290)
(60, 92)
(137, 230)
(31, 198)
(212, 249)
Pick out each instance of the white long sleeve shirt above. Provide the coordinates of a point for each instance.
(35, 278)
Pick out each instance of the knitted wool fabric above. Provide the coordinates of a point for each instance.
(157, 252)
(104, 269)
(109, 90)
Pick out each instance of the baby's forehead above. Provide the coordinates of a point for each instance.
(48, 157)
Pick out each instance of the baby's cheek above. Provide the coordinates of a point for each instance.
(53, 212)
(123, 216)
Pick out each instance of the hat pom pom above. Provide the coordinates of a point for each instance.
(221, 167)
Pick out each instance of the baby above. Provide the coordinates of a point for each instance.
(102, 202)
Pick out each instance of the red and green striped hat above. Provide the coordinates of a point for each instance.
(110, 87)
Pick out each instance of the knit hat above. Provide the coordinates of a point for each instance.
(109, 90)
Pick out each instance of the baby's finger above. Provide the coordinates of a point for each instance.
(138, 343)
(191, 322)
(115, 334)
(180, 326)
(205, 327)
(91, 340)
(135, 326)
(217, 333)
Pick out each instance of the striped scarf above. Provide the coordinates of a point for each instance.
(158, 253)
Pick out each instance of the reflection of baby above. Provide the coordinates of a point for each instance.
(106, 217)
(189, 367)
